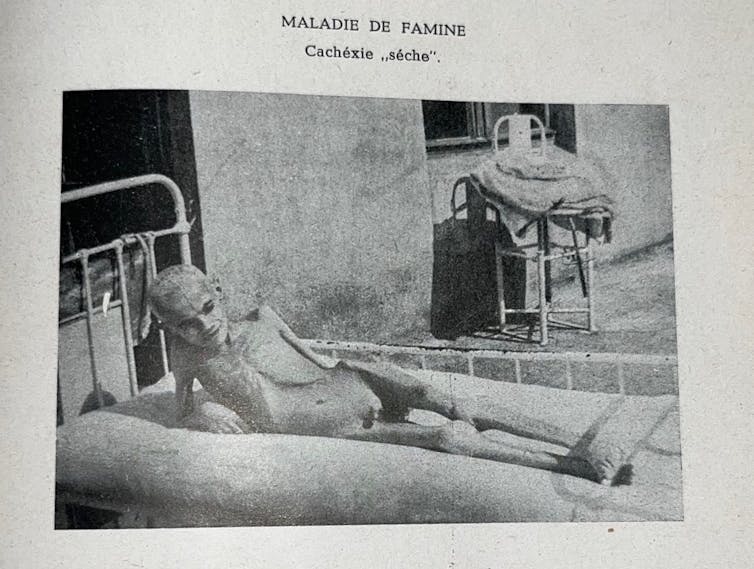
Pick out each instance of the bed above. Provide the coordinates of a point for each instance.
(130, 458)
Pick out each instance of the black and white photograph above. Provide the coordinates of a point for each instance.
(332, 285)
(303, 310)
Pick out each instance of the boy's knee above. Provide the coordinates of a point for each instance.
(457, 437)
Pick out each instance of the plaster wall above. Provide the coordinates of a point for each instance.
(319, 206)
(633, 142)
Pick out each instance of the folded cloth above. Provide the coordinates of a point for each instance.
(525, 186)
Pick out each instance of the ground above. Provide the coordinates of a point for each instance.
(635, 311)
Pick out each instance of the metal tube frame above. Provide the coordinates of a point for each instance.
(507, 118)
(97, 387)
(181, 228)
(126, 318)
(542, 257)
(153, 268)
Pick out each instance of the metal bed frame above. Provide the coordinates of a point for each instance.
(146, 240)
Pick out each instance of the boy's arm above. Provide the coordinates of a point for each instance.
(324, 362)
(184, 386)
(208, 416)
(184, 392)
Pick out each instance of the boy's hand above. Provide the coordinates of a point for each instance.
(214, 418)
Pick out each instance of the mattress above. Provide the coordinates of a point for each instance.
(131, 458)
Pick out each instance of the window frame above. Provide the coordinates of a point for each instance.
(476, 126)
(479, 127)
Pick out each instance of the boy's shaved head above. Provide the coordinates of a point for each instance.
(173, 287)
(184, 300)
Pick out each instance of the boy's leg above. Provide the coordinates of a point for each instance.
(459, 437)
(399, 389)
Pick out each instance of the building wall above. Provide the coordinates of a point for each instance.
(633, 143)
(319, 206)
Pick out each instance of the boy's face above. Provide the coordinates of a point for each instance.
(197, 316)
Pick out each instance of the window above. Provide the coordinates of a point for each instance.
(449, 124)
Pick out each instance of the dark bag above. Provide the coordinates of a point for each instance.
(464, 289)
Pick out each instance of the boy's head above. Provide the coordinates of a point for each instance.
(183, 299)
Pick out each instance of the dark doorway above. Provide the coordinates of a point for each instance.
(108, 135)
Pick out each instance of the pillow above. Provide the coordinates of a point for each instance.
(625, 425)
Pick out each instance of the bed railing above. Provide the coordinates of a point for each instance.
(146, 240)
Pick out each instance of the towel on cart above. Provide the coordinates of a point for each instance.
(524, 187)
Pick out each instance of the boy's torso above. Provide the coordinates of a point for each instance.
(274, 388)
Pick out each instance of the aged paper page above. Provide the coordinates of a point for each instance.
(679, 71)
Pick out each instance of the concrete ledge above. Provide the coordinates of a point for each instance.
(632, 374)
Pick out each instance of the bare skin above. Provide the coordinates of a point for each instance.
(274, 383)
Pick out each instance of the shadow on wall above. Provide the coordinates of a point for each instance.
(393, 315)
(323, 213)
(464, 291)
